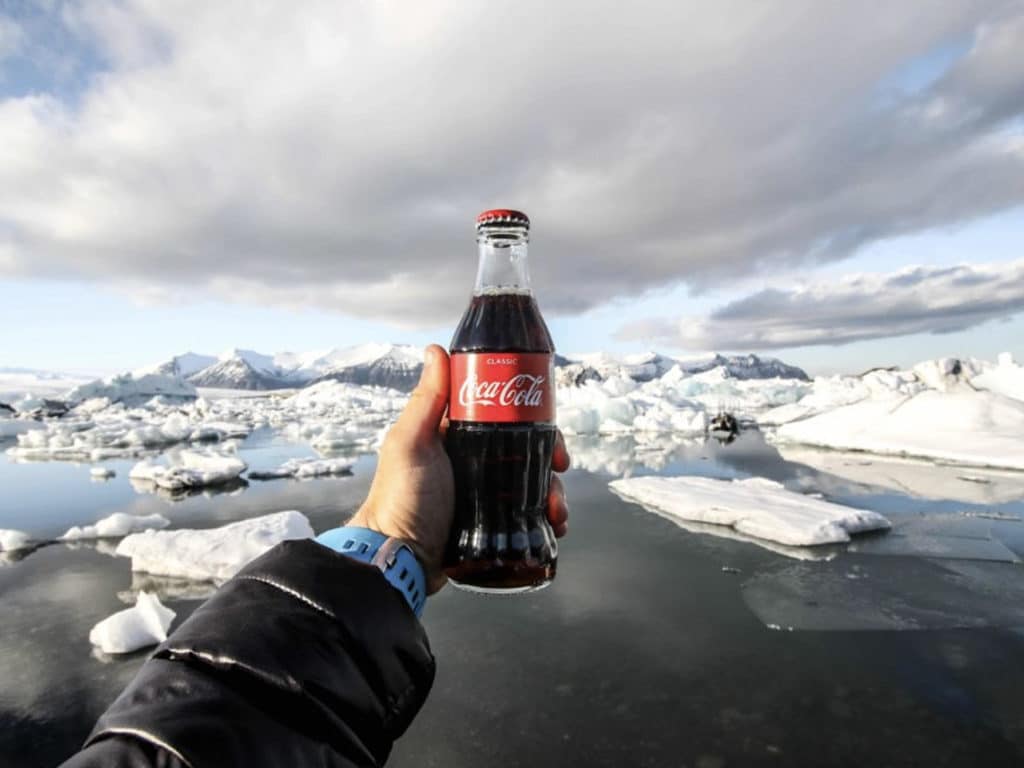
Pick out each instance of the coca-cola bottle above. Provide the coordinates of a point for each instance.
(502, 414)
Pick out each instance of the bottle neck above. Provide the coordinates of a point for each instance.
(504, 265)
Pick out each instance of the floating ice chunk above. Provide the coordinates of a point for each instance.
(993, 516)
(576, 420)
(101, 473)
(116, 525)
(216, 553)
(191, 469)
(618, 386)
(220, 430)
(133, 628)
(305, 468)
(11, 540)
(336, 436)
(756, 507)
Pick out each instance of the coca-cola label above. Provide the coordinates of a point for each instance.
(502, 387)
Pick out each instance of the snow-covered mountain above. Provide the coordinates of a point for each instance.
(387, 365)
(382, 365)
(242, 369)
(398, 366)
(180, 365)
(652, 365)
(745, 367)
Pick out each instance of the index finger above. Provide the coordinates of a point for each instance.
(560, 456)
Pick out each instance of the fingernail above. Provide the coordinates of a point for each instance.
(429, 359)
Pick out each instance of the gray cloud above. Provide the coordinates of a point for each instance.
(853, 308)
(334, 153)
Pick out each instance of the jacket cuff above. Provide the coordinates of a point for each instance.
(303, 649)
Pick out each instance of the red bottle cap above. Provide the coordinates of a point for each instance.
(501, 216)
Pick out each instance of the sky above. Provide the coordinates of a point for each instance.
(837, 185)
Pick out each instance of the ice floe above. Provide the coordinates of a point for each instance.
(141, 626)
(330, 416)
(964, 411)
(116, 525)
(188, 468)
(754, 507)
(305, 468)
(101, 473)
(212, 554)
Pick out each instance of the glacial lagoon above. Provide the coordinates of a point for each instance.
(660, 643)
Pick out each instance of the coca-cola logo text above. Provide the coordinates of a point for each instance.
(522, 390)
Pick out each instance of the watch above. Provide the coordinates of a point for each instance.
(394, 557)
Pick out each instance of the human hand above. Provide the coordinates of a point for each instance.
(412, 496)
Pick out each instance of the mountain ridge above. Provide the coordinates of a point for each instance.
(398, 366)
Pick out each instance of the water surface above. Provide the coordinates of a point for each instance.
(652, 647)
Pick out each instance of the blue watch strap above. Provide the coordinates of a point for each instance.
(394, 557)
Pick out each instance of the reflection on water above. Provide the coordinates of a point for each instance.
(650, 623)
(898, 593)
(899, 578)
(231, 487)
(913, 477)
(166, 588)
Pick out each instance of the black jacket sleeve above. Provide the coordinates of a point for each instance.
(305, 658)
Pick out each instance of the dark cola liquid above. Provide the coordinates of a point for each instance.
(501, 539)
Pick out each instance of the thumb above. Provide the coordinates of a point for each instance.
(426, 406)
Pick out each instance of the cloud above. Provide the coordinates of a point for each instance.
(334, 153)
(853, 308)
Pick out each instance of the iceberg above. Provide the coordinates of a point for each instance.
(11, 540)
(116, 525)
(676, 402)
(305, 468)
(190, 469)
(133, 389)
(961, 426)
(101, 473)
(133, 628)
(1005, 378)
(754, 507)
(212, 554)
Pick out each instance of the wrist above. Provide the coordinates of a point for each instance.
(395, 558)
